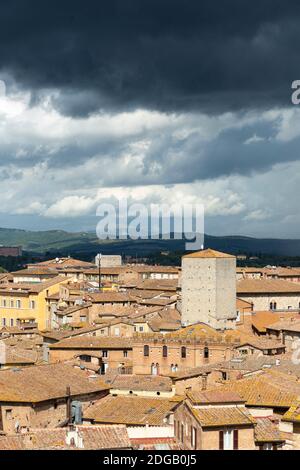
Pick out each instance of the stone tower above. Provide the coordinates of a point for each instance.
(209, 289)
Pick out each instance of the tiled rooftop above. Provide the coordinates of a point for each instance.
(130, 410)
(39, 383)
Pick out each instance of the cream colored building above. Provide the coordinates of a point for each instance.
(270, 294)
(209, 289)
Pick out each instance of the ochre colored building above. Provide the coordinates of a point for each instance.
(26, 302)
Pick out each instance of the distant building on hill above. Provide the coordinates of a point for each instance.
(109, 261)
(10, 251)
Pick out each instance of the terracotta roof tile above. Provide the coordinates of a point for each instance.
(104, 437)
(214, 396)
(293, 413)
(209, 253)
(266, 389)
(264, 286)
(93, 342)
(286, 325)
(39, 383)
(130, 410)
(267, 431)
(222, 416)
(140, 383)
(11, 443)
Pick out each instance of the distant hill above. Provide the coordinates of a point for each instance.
(40, 241)
(86, 243)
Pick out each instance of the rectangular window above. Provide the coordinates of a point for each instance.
(4, 302)
(11, 322)
(193, 437)
(32, 304)
(268, 446)
(86, 358)
(11, 304)
(235, 439)
(228, 439)
(3, 321)
(221, 440)
(104, 353)
(125, 353)
(18, 303)
(117, 331)
(8, 414)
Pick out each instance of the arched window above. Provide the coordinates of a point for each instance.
(183, 352)
(165, 351)
(206, 352)
(146, 350)
(271, 305)
(275, 305)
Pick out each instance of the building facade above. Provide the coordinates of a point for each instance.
(209, 289)
(160, 355)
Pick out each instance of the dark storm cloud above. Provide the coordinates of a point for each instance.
(246, 151)
(158, 54)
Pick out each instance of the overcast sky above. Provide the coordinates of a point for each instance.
(157, 100)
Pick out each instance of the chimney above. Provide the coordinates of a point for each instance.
(45, 352)
(204, 382)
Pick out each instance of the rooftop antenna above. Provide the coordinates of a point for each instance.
(99, 270)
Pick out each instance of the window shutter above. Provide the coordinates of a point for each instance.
(221, 440)
(235, 439)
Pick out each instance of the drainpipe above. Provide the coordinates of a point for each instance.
(69, 414)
